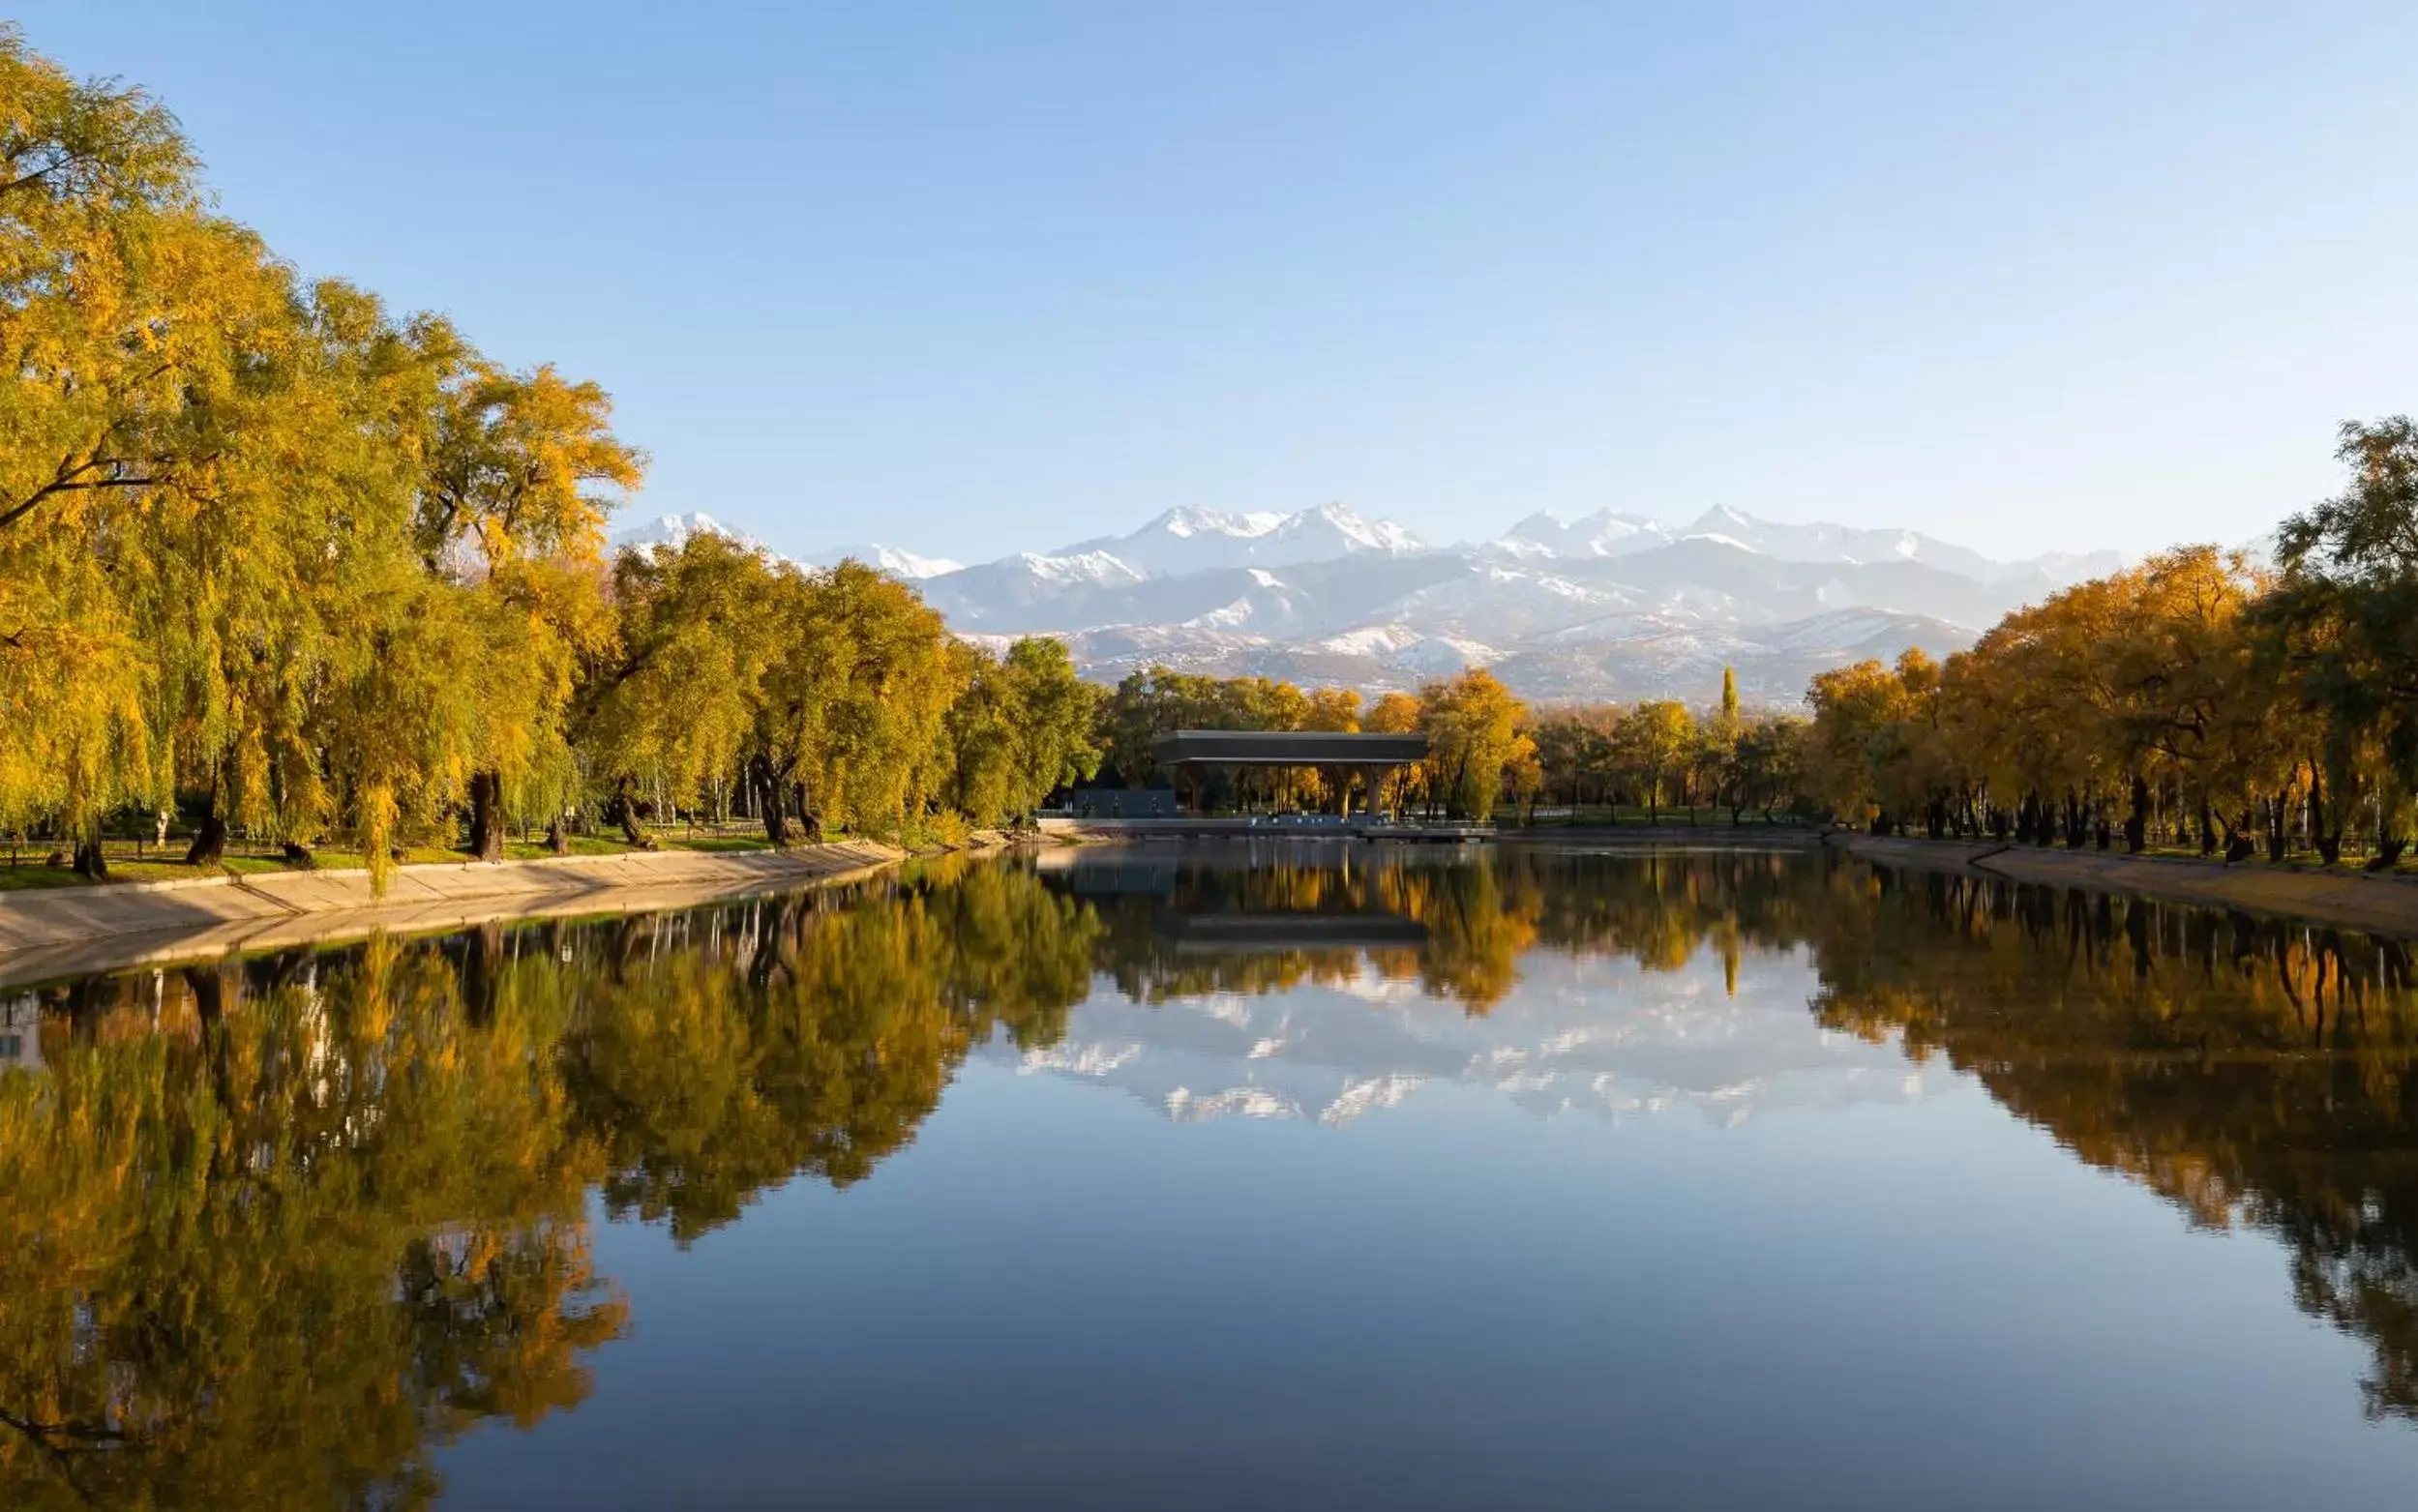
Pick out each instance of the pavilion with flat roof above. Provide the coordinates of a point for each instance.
(1193, 754)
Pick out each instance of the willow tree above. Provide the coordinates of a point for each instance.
(801, 685)
(270, 575)
(523, 469)
(117, 291)
(1056, 712)
(1019, 728)
(981, 737)
(850, 730)
(670, 703)
(881, 757)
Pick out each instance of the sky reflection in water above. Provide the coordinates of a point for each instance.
(1296, 1175)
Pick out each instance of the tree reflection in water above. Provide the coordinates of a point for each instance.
(277, 1230)
(2252, 1071)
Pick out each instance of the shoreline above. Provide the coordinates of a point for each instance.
(2377, 905)
(72, 932)
(1123, 832)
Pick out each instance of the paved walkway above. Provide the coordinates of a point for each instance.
(2385, 905)
(70, 931)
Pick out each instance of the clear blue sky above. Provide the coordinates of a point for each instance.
(978, 278)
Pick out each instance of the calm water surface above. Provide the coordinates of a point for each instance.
(1234, 1177)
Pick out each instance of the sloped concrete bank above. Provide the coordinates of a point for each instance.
(1749, 836)
(2382, 904)
(70, 930)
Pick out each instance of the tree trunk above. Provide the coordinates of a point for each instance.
(2238, 845)
(487, 817)
(625, 814)
(2390, 841)
(209, 846)
(766, 782)
(557, 839)
(2328, 839)
(2136, 823)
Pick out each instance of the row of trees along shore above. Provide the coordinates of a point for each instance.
(2203, 701)
(1487, 749)
(316, 571)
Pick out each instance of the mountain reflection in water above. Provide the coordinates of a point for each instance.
(276, 1230)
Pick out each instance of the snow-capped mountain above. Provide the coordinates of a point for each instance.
(1614, 604)
(1604, 533)
(1191, 540)
(890, 559)
(1607, 533)
(674, 530)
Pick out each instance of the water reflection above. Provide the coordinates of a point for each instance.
(1298, 982)
(276, 1230)
(2250, 1071)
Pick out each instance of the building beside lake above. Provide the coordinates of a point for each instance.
(1190, 757)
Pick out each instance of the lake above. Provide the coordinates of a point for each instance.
(1241, 1175)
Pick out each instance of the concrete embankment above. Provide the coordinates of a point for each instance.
(1749, 836)
(2384, 905)
(70, 930)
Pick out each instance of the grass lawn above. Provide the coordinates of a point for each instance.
(580, 846)
(720, 842)
(156, 864)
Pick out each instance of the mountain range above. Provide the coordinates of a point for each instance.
(1609, 605)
